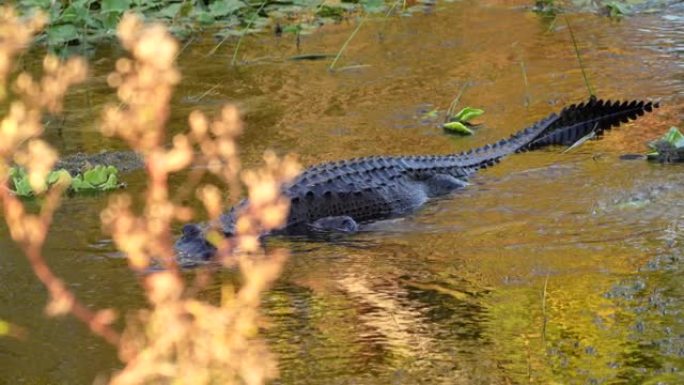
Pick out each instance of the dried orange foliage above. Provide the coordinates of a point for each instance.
(20, 131)
(178, 339)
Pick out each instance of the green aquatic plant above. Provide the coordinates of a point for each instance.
(616, 9)
(669, 148)
(461, 122)
(76, 26)
(99, 178)
(546, 7)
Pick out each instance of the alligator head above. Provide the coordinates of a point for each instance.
(193, 246)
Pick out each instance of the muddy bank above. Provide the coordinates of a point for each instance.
(124, 161)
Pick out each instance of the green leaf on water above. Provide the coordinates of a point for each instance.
(186, 8)
(61, 34)
(673, 137)
(222, 8)
(331, 12)
(20, 182)
(99, 175)
(295, 28)
(79, 185)
(95, 176)
(75, 13)
(170, 11)
(111, 183)
(373, 6)
(457, 128)
(617, 9)
(115, 6)
(467, 114)
(204, 18)
(60, 177)
(22, 187)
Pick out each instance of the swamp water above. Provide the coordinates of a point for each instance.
(550, 268)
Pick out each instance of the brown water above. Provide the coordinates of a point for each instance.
(454, 293)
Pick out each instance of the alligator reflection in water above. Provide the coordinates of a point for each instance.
(396, 327)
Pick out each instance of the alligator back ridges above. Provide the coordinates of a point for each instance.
(572, 124)
(596, 115)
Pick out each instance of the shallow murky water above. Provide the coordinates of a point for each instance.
(455, 292)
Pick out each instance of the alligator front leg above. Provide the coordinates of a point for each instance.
(339, 224)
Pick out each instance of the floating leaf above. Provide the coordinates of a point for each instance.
(115, 6)
(467, 114)
(673, 137)
(61, 34)
(616, 9)
(373, 6)
(95, 176)
(457, 128)
(222, 8)
(204, 17)
(170, 11)
(20, 182)
(22, 187)
(75, 13)
(79, 185)
(60, 178)
(111, 183)
(331, 12)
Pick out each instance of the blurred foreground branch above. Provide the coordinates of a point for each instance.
(178, 339)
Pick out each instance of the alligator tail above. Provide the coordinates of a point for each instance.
(595, 116)
(570, 125)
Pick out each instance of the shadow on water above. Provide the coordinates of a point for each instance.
(550, 267)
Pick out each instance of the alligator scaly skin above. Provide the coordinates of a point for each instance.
(337, 196)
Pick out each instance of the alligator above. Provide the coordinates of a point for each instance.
(337, 197)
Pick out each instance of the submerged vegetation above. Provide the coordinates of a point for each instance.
(76, 26)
